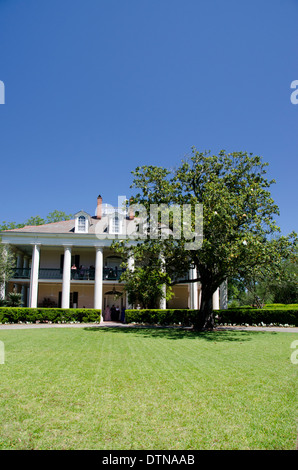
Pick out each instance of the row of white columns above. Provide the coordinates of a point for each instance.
(33, 295)
(219, 297)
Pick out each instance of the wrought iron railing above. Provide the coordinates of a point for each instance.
(110, 274)
(22, 273)
(87, 274)
(48, 273)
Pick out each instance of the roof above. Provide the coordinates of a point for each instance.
(65, 226)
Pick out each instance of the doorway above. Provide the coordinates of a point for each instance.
(114, 298)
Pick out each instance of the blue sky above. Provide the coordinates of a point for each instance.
(94, 88)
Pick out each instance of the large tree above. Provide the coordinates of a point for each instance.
(239, 227)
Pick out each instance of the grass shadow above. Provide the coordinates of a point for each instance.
(172, 333)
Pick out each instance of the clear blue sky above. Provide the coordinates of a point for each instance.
(94, 88)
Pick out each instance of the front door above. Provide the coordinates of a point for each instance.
(111, 301)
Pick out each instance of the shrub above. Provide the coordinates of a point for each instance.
(281, 306)
(254, 316)
(184, 317)
(238, 316)
(44, 315)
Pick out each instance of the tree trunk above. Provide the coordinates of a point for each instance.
(205, 319)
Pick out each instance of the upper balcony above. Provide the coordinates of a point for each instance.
(81, 274)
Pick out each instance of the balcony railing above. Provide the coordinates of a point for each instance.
(22, 273)
(109, 274)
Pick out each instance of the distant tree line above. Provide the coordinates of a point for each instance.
(55, 216)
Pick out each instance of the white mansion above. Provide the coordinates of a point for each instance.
(71, 264)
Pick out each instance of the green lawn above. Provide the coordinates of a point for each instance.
(103, 388)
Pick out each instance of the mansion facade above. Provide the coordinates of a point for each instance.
(70, 264)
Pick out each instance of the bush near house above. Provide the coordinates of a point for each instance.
(277, 315)
(273, 314)
(44, 315)
(184, 317)
(268, 315)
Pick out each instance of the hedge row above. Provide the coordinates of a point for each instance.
(184, 317)
(238, 316)
(255, 316)
(281, 306)
(44, 315)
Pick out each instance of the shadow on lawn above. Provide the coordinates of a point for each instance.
(178, 333)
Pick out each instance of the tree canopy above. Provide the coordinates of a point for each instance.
(240, 234)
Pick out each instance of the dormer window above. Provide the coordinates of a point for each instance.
(115, 223)
(116, 226)
(82, 222)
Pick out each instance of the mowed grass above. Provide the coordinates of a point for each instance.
(129, 388)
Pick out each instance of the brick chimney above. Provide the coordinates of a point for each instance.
(131, 212)
(99, 207)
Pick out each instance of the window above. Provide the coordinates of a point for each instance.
(82, 224)
(116, 226)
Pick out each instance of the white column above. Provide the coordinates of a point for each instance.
(193, 286)
(131, 263)
(66, 277)
(223, 295)
(215, 300)
(19, 267)
(98, 278)
(25, 266)
(34, 276)
(19, 263)
(3, 280)
(200, 297)
(2, 290)
(130, 267)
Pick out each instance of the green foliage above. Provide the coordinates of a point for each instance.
(45, 315)
(277, 315)
(145, 286)
(240, 233)
(185, 317)
(14, 299)
(7, 263)
(269, 285)
(57, 216)
(147, 388)
(144, 283)
(281, 306)
(252, 316)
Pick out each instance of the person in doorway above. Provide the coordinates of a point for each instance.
(113, 313)
(117, 315)
(123, 315)
(107, 314)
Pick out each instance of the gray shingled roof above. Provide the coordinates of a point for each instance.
(64, 226)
